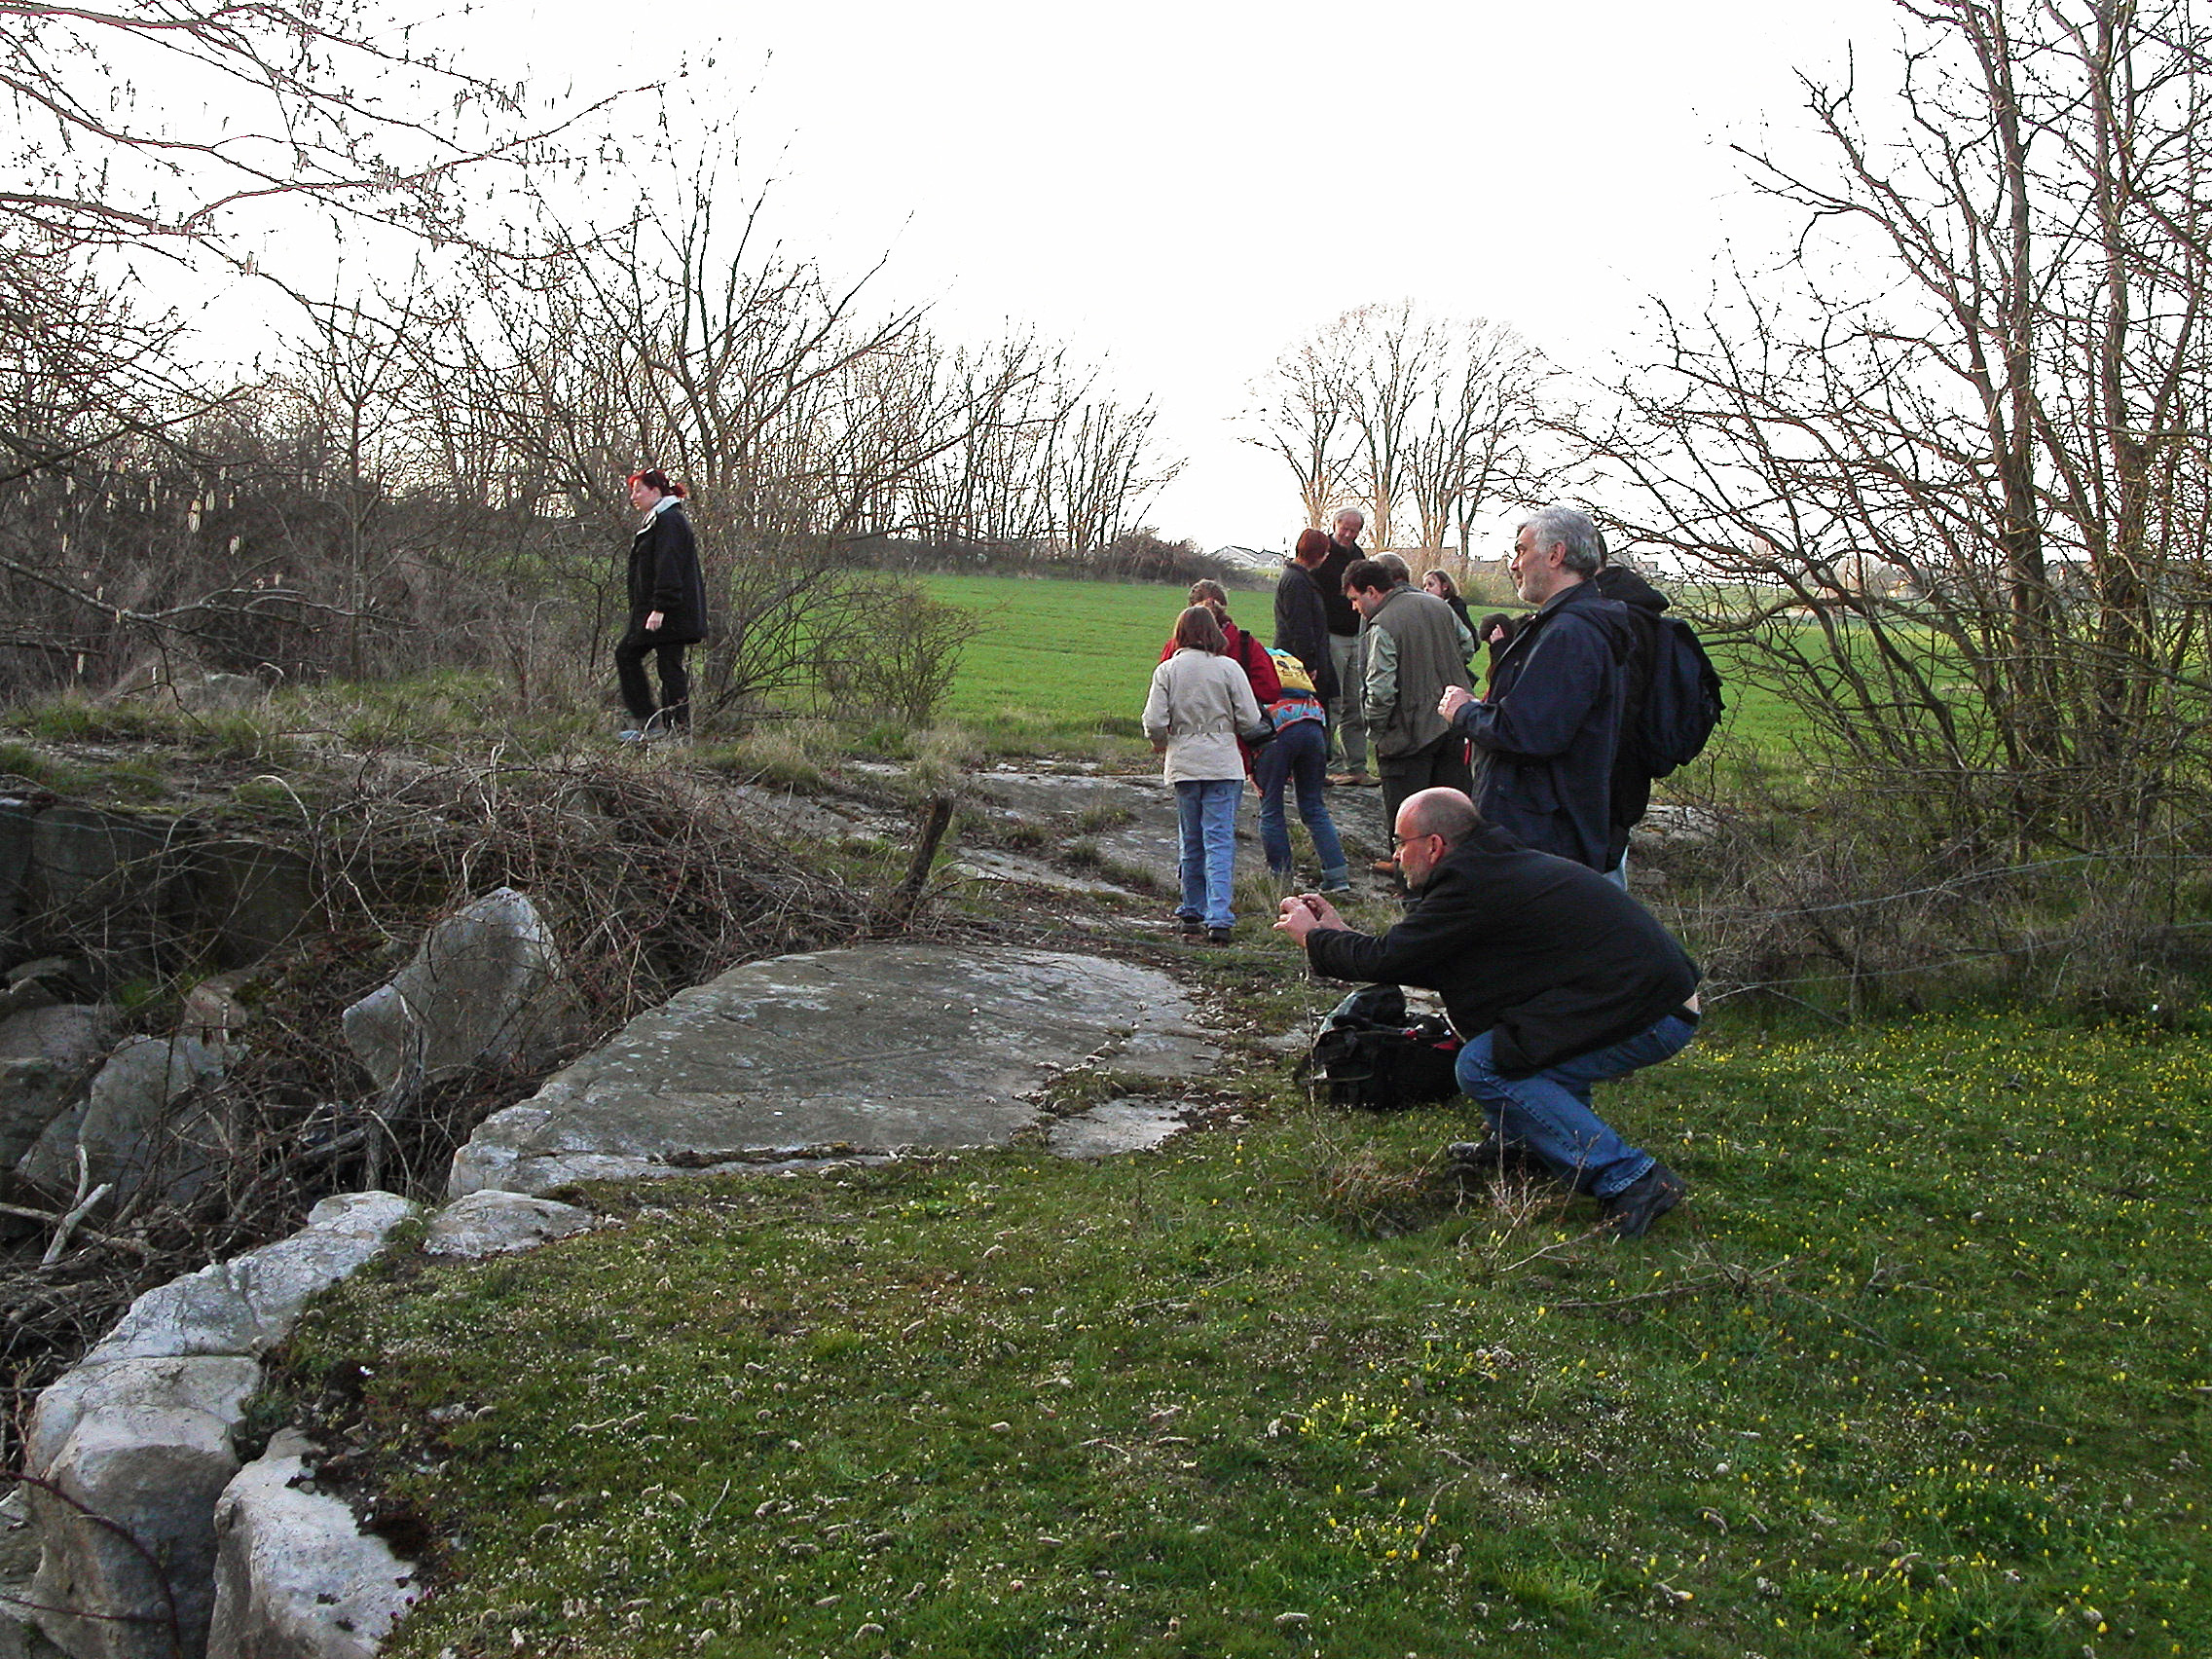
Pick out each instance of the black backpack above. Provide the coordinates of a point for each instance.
(1371, 1054)
(1680, 696)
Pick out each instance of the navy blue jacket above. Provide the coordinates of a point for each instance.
(1546, 734)
(1551, 958)
(664, 576)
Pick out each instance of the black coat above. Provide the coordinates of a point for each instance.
(664, 576)
(1302, 627)
(1548, 730)
(1546, 953)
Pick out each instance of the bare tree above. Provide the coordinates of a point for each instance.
(269, 98)
(1302, 416)
(1985, 369)
(1388, 408)
(1472, 449)
(1388, 353)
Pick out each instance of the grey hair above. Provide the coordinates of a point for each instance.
(1340, 515)
(1575, 530)
(1396, 566)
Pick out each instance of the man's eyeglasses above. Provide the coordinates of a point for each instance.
(1404, 840)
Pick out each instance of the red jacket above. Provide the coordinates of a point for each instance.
(1247, 654)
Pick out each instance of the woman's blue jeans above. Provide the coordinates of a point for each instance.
(1549, 1110)
(1299, 754)
(1205, 815)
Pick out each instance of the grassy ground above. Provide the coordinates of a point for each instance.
(1067, 659)
(1067, 655)
(1921, 1370)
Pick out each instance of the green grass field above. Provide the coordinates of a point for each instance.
(1066, 655)
(1060, 657)
(1921, 1372)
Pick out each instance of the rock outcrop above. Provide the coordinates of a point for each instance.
(871, 1049)
(485, 985)
(295, 1578)
(130, 1450)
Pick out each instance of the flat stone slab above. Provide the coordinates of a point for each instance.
(1114, 1128)
(984, 865)
(836, 1054)
(1141, 833)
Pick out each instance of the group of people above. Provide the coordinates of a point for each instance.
(1509, 807)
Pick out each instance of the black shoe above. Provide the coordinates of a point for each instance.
(1192, 926)
(1491, 1155)
(1630, 1213)
(1218, 936)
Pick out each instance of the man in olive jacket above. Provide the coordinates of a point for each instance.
(1415, 647)
(1556, 979)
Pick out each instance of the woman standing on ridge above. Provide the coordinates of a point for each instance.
(1199, 705)
(668, 610)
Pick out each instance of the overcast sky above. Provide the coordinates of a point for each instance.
(1183, 190)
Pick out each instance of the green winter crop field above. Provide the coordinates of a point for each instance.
(1060, 657)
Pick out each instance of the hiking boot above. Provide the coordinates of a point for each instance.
(1384, 866)
(1334, 882)
(1192, 926)
(1630, 1213)
(1339, 780)
(1219, 936)
(1492, 1155)
(1362, 780)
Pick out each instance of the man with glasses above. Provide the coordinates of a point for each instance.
(1546, 733)
(1555, 977)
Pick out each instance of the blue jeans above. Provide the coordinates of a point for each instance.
(1205, 817)
(1299, 753)
(1549, 1110)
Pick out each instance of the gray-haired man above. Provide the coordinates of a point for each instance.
(1547, 732)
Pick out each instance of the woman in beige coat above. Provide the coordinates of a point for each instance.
(1200, 704)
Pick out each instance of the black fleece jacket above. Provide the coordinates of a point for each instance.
(664, 576)
(1548, 954)
(1302, 627)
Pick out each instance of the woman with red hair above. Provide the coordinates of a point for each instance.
(668, 610)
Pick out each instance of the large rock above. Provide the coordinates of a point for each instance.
(82, 857)
(245, 1306)
(46, 1055)
(138, 1451)
(294, 1577)
(127, 1125)
(15, 817)
(244, 897)
(493, 1223)
(869, 1050)
(137, 1439)
(486, 986)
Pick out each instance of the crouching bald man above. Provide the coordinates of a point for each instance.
(1555, 977)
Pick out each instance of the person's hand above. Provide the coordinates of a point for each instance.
(1302, 912)
(653, 620)
(1455, 698)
